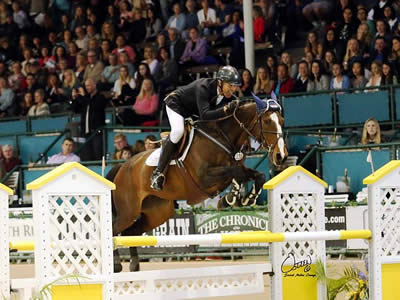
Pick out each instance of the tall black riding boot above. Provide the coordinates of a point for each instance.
(158, 177)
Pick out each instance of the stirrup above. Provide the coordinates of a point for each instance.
(157, 181)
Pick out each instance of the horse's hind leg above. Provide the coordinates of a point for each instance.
(155, 211)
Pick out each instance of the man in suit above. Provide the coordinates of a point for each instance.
(91, 105)
(176, 45)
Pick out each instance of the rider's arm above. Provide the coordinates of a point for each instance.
(202, 96)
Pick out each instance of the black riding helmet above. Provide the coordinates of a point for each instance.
(229, 75)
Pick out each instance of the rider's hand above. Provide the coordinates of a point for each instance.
(231, 106)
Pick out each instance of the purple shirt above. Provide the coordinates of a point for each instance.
(60, 158)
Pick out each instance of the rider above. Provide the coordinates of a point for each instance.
(203, 98)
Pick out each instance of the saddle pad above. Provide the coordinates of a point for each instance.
(153, 158)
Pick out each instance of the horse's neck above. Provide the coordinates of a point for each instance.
(245, 114)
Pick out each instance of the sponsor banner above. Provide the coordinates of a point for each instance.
(229, 222)
(335, 219)
(177, 225)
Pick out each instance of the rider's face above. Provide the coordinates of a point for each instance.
(228, 89)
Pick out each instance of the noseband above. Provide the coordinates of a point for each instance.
(258, 120)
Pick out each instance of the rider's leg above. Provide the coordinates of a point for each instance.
(177, 123)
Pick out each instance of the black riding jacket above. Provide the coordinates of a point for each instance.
(197, 98)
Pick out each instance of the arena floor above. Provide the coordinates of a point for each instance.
(335, 268)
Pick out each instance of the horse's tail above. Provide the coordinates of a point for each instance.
(110, 176)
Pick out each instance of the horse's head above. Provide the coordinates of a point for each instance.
(268, 129)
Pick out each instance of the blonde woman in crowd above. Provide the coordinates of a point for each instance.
(70, 82)
(376, 76)
(150, 59)
(313, 45)
(124, 87)
(108, 32)
(287, 59)
(40, 108)
(81, 62)
(352, 54)
(371, 132)
(263, 82)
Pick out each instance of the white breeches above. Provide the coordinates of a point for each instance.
(177, 123)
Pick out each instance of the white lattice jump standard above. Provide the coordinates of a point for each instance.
(73, 235)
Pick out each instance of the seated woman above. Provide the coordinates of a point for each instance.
(247, 84)
(371, 132)
(359, 80)
(70, 82)
(318, 81)
(167, 77)
(26, 104)
(40, 108)
(263, 82)
(388, 75)
(339, 81)
(145, 106)
(124, 87)
(376, 76)
(195, 50)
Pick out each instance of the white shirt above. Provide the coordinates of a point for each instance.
(211, 15)
(337, 85)
(117, 86)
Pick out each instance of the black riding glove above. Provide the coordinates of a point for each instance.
(231, 106)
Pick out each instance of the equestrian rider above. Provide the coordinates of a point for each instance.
(202, 98)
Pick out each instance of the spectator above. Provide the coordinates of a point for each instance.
(329, 43)
(105, 51)
(9, 160)
(381, 51)
(195, 50)
(3, 172)
(54, 93)
(388, 75)
(92, 33)
(138, 147)
(394, 58)
(318, 81)
(137, 28)
(108, 31)
(167, 77)
(153, 25)
(67, 38)
(61, 68)
(93, 45)
(7, 52)
(362, 18)
(247, 84)
(207, 17)
(6, 99)
(339, 81)
(161, 41)
(258, 25)
(110, 73)
(91, 105)
(81, 38)
(151, 142)
(28, 58)
(120, 142)
(81, 63)
(313, 45)
(125, 62)
(302, 79)
(390, 18)
(122, 47)
(145, 106)
(10, 28)
(272, 65)
(40, 108)
(377, 12)
(191, 16)
(359, 80)
(376, 76)
(79, 19)
(151, 60)
(127, 153)
(45, 56)
(59, 53)
(224, 12)
(26, 104)
(111, 16)
(94, 69)
(16, 80)
(381, 32)
(177, 20)
(143, 73)
(328, 61)
(286, 58)
(176, 45)
(364, 39)
(66, 154)
(317, 12)
(352, 54)
(263, 83)
(70, 82)
(345, 31)
(19, 16)
(124, 87)
(371, 132)
(285, 83)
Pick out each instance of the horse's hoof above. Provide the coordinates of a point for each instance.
(117, 268)
(134, 267)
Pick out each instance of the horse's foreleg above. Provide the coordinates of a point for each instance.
(259, 179)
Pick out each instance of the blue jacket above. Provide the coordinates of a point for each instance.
(180, 22)
(345, 82)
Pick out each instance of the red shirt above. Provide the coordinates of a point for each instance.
(259, 29)
(10, 164)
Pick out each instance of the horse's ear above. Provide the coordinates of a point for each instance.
(261, 104)
(273, 96)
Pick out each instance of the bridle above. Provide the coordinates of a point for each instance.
(258, 120)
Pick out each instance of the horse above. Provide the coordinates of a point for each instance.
(215, 159)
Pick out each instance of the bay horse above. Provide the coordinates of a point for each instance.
(214, 159)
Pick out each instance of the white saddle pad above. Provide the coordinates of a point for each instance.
(153, 158)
